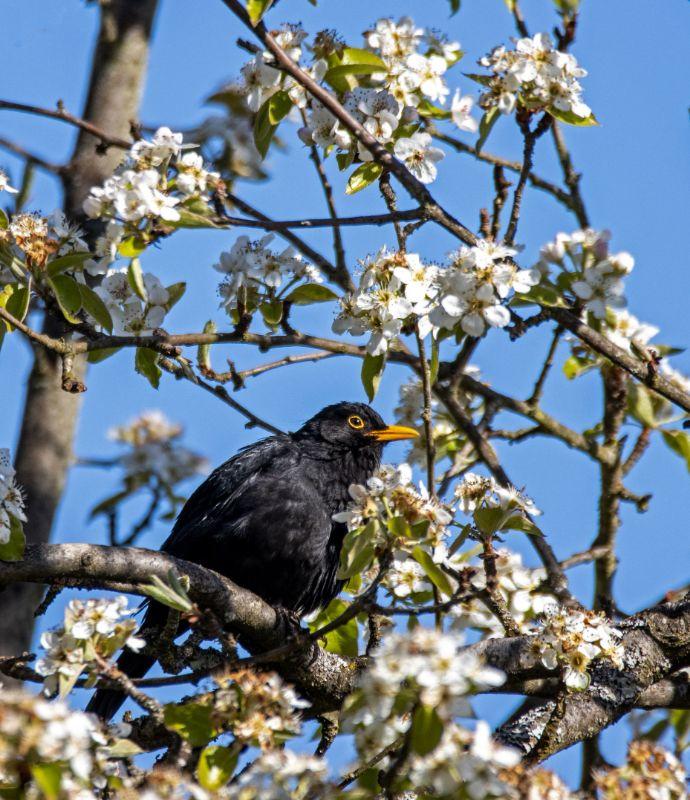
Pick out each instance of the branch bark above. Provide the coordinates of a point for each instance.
(44, 451)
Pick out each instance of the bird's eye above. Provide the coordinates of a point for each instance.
(356, 422)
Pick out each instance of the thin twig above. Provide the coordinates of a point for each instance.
(535, 397)
(18, 150)
(107, 139)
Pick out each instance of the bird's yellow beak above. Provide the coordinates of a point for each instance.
(394, 432)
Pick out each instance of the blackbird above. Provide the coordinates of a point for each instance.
(264, 518)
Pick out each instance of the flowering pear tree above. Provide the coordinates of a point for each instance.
(438, 607)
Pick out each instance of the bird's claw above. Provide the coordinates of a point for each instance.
(291, 622)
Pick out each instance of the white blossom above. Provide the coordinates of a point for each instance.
(419, 156)
(460, 112)
(11, 500)
(536, 73)
(5, 184)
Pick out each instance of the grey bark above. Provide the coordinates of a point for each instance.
(45, 448)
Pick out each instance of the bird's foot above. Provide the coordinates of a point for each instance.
(291, 622)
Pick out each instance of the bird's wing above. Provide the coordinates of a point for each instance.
(260, 520)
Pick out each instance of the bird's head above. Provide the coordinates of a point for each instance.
(353, 426)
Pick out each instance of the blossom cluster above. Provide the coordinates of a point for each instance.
(571, 640)
(260, 708)
(154, 451)
(650, 771)
(588, 269)
(154, 183)
(402, 77)
(282, 775)
(536, 76)
(397, 290)
(92, 630)
(36, 240)
(520, 587)
(12, 511)
(389, 494)
(478, 491)
(37, 735)
(134, 309)
(467, 761)
(534, 784)
(427, 674)
(254, 274)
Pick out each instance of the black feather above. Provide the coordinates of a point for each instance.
(264, 519)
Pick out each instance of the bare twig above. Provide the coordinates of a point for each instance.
(22, 152)
(107, 139)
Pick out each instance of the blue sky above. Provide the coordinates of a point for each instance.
(635, 167)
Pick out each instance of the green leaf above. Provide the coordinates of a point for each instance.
(216, 765)
(18, 303)
(192, 721)
(62, 264)
(4, 221)
(131, 247)
(482, 80)
(372, 371)
(640, 405)
(93, 304)
(575, 366)
(487, 122)
(123, 748)
(49, 779)
(542, 295)
(135, 278)
(679, 442)
(68, 296)
(276, 108)
(13, 549)
(427, 109)
(146, 364)
(311, 293)
(175, 293)
(345, 159)
(96, 356)
(510, 4)
(344, 639)
(567, 6)
(489, 520)
(519, 522)
(362, 177)
(172, 594)
(203, 353)
(257, 8)
(570, 118)
(454, 6)
(426, 730)
(358, 551)
(272, 312)
(435, 574)
(351, 62)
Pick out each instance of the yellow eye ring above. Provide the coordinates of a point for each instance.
(356, 422)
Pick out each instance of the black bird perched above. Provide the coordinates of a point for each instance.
(264, 518)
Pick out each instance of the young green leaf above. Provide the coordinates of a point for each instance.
(92, 304)
(18, 302)
(276, 108)
(487, 122)
(257, 8)
(353, 61)
(570, 118)
(344, 639)
(216, 765)
(135, 278)
(68, 296)
(362, 177)
(426, 730)
(175, 293)
(192, 721)
(96, 356)
(62, 264)
(48, 777)
(13, 549)
(435, 574)
(272, 312)
(311, 293)
(146, 364)
(372, 372)
(679, 442)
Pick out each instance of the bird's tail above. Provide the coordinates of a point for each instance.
(106, 702)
